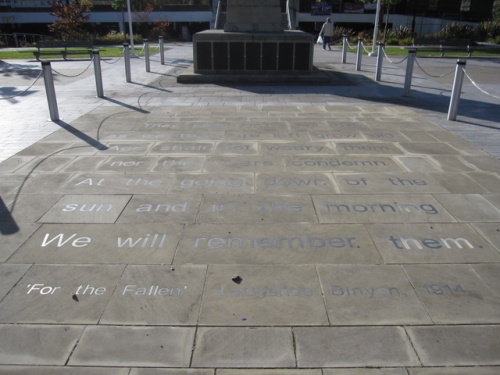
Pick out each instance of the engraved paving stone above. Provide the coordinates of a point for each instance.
(161, 208)
(61, 294)
(157, 295)
(388, 183)
(454, 294)
(431, 243)
(174, 164)
(213, 183)
(129, 164)
(86, 209)
(106, 183)
(370, 295)
(262, 295)
(379, 209)
(368, 164)
(296, 183)
(236, 148)
(249, 163)
(276, 244)
(295, 148)
(256, 209)
(182, 148)
(100, 243)
(367, 148)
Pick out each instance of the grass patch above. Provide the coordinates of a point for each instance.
(104, 52)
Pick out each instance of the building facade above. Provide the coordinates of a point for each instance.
(426, 16)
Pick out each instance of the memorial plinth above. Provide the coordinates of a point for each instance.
(253, 47)
(218, 51)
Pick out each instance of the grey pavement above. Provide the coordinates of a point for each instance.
(328, 229)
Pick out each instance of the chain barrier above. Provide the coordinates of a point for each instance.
(21, 93)
(335, 41)
(364, 48)
(349, 46)
(77, 75)
(113, 62)
(142, 51)
(477, 86)
(431, 75)
(392, 62)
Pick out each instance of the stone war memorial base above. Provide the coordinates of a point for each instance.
(253, 47)
(252, 57)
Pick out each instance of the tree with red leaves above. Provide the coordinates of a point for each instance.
(71, 19)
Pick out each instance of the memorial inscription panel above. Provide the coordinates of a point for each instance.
(106, 183)
(380, 209)
(100, 243)
(61, 294)
(157, 295)
(256, 209)
(431, 243)
(276, 244)
(266, 295)
(384, 291)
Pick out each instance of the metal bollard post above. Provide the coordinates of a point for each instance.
(457, 88)
(409, 71)
(162, 51)
(344, 49)
(126, 56)
(98, 73)
(146, 55)
(380, 59)
(360, 54)
(50, 90)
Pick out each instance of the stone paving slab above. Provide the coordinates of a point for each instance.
(244, 347)
(470, 207)
(21, 344)
(10, 274)
(456, 345)
(354, 347)
(13, 235)
(134, 347)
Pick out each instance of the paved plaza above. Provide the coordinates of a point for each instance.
(336, 228)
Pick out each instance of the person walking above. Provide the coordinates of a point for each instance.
(327, 33)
